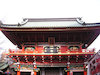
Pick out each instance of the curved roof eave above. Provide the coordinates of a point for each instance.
(45, 23)
(50, 23)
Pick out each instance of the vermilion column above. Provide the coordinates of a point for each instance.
(34, 71)
(68, 72)
(85, 71)
(22, 48)
(80, 48)
(18, 72)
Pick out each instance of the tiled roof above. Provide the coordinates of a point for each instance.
(50, 23)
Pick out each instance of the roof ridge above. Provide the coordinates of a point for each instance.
(49, 19)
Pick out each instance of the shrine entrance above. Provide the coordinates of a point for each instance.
(52, 71)
(25, 73)
(78, 73)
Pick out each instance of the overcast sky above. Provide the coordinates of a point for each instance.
(13, 11)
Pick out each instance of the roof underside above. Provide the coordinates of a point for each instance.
(82, 36)
(64, 30)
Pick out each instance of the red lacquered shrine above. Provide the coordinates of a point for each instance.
(51, 46)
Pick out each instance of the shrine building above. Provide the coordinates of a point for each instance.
(94, 64)
(51, 46)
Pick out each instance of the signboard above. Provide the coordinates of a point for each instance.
(74, 48)
(76, 67)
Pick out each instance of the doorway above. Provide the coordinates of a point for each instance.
(78, 73)
(51, 71)
(25, 73)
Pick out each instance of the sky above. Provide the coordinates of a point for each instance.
(13, 11)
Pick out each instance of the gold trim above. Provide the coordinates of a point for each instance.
(36, 70)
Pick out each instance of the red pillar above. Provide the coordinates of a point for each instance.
(18, 72)
(81, 48)
(85, 70)
(34, 71)
(23, 48)
(68, 72)
(36, 49)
